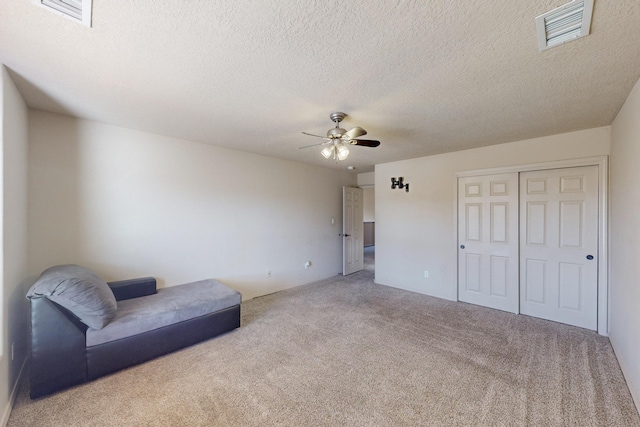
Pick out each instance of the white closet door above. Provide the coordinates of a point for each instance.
(488, 241)
(559, 245)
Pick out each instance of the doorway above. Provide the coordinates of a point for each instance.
(369, 227)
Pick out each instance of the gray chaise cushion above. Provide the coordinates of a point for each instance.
(79, 290)
(170, 305)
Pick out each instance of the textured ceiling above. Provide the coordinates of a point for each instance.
(423, 77)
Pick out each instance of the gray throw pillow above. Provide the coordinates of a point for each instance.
(79, 290)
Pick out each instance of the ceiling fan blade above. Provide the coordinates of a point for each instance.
(355, 132)
(317, 136)
(314, 145)
(365, 142)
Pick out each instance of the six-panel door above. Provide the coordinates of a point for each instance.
(352, 230)
(551, 270)
(488, 241)
(559, 244)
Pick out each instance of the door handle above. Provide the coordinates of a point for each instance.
(461, 246)
(589, 257)
(344, 235)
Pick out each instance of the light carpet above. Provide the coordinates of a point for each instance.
(348, 352)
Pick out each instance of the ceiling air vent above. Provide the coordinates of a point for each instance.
(565, 23)
(77, 10)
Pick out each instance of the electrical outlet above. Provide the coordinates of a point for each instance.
(426, 274)
(307, 265)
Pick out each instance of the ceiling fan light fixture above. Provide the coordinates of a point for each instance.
(337, 139)
(327, 152)
(343, 152)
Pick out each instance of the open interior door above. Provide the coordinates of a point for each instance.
(352, 230)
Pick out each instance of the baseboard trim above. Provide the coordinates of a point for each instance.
(12, 397)
(630, 385)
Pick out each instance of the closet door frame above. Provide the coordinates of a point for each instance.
(603, 184)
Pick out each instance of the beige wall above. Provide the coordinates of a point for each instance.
(416, 231)
(366, 179)
(13, 232)
(369, 204)
(624, 240)
(129, 204)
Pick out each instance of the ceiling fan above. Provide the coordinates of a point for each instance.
(337, 139)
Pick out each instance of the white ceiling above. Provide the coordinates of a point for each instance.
(423, 77)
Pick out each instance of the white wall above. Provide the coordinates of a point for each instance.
(13, 232)
(416, 231)
(624, 240)
(129, 204)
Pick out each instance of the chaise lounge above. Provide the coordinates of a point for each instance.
(83, 328)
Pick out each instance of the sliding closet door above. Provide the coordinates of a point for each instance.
(559, 245)
(488, 241)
